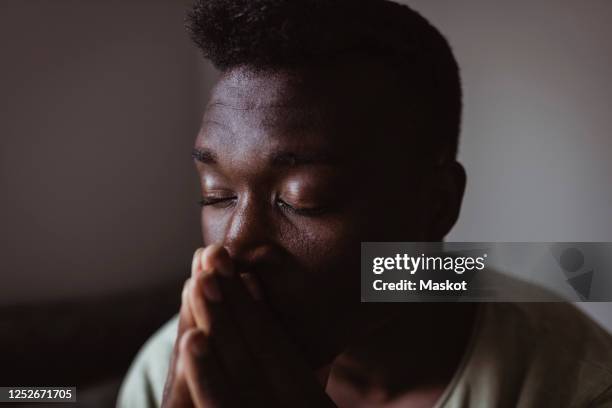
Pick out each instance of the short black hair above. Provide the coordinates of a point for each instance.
(292, 33)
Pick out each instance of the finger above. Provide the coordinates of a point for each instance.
(175, 388)
(186, 319)
(176, 392)
(203, 284)
(279, 359)
(205, 378)
(228, 341)
(196, 264)
(251, 316)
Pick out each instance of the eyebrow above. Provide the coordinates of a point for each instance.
(277, 159)
(205, 156)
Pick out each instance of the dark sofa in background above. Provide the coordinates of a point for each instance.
(87, 343)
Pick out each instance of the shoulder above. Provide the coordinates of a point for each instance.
(554, 352)
(564, 328)
(144, 383)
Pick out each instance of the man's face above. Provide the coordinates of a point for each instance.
(294, 176)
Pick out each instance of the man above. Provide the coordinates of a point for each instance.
(333, 123)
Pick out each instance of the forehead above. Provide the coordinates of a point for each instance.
(317, 107)
(253, 107)
(309, 86)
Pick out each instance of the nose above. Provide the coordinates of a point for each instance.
(249, 235)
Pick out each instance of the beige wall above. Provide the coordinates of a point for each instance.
(100, 103)
(537, 135)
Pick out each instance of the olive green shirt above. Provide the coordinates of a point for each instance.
(525, 355)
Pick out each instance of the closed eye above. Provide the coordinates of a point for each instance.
(307, 212)
(218, 202)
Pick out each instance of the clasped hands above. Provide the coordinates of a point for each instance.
(230, 351)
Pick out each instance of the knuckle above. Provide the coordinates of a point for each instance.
(188, 341)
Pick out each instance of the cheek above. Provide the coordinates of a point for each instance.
(213, 227)
(321, 244)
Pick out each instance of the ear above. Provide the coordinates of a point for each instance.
(448, 185)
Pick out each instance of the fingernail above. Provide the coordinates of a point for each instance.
(215, 257)
(206, 257)
(211, 289)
